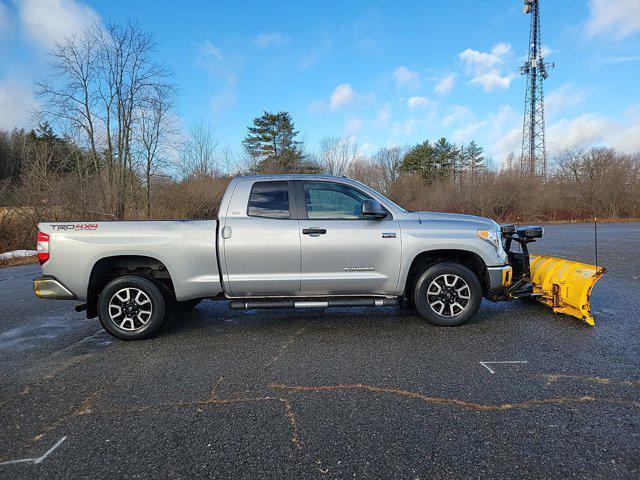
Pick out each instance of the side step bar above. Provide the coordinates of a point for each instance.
(320, 303)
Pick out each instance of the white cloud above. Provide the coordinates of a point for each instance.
(317, 106)
(503, 136)
(615, 18)
(585, 130)
(407, 127)
(265, 40)
(627, 140)
(343, 95)
(589, 129)
(468, 131)
(220, 102)
(566, 95)
(485, 68)
(316, 52)
(418, 102)
(211, 51)
(496, 131)
(485, 60)
(367, 148)
(457, 114)
(16, 104)
(405, 78)
(384, 116)
(212, 58)
(545, 51)
(621, 59)
(353, 125)
(492, 79)
(445, 85)
(49, 21)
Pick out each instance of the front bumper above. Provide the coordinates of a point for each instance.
(500, 278)
(51, 289)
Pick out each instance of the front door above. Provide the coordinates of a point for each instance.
(343, 253)
(262, 243)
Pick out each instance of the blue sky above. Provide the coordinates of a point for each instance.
(387, 73)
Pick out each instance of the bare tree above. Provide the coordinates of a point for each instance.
(199, 152)
(156, 134)
(70, 97)
(337, 154)
(102, 78)
(127, 74)
(389, 161)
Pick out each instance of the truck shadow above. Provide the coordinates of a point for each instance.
(217, 317)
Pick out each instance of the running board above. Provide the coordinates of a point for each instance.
(327, 303)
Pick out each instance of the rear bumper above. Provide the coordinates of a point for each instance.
(51, 289)
(500, 279)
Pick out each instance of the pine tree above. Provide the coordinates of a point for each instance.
(271, 143)
(45, 132)
(473, 158)
(420, 159)
(446, 159)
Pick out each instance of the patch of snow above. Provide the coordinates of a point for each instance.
(17, 254)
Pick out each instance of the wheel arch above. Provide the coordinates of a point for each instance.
(108, 268)
(425, 259)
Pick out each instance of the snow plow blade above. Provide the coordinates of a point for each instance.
(564, 285)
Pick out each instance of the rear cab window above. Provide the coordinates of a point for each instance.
(269, 200)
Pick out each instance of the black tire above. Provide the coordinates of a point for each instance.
(442, 307)
(186, 305)
(143, 322)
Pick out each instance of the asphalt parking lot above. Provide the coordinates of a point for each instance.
(333, 393)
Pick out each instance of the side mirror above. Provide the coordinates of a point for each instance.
(372, 209)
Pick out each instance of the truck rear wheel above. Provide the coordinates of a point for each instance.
(132, 307)
(447, 294)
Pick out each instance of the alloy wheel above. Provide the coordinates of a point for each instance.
(448, 295)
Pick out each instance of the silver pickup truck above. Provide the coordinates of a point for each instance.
(279, 241)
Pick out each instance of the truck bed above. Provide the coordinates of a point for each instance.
(187, 248)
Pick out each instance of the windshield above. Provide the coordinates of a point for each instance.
(395, 205)
(383, 198)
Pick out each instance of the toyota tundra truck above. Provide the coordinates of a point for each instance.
(280, 241)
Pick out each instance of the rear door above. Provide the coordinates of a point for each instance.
(343, 253)
(261, 240)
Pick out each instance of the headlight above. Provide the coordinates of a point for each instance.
(492, 236)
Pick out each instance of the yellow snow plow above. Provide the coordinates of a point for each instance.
(563, 285)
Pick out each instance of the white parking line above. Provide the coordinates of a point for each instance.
(38, 459)
(484, 364)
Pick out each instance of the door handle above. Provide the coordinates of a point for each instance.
(314, 231)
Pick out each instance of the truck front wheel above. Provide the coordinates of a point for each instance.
(131, 307)
(447, 294)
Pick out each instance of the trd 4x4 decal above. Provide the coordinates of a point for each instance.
(76, 226)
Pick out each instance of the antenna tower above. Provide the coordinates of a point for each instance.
(533, 159)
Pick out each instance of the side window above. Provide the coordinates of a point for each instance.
(269, 199)
(333, 201)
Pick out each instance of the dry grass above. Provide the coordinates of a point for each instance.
(12, 262)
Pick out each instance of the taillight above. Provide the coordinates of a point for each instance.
(43, 247)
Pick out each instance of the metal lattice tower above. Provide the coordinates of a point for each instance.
(534, 155)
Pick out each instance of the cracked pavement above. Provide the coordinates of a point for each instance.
(374, 393)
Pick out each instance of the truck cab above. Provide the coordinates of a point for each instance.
(312, 235)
